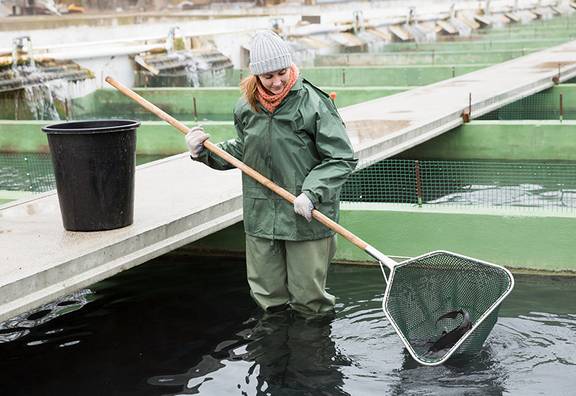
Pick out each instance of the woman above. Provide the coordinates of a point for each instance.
(289, 131)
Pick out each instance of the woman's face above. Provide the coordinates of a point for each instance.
(275, 81)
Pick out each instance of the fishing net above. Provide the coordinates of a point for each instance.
(442, 303)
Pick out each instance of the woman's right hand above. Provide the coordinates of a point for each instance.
(195, 140)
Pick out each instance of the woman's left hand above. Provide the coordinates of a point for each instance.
(195, 140)
(303, 206)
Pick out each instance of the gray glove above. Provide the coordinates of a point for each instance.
(195, 140)
(303, 206)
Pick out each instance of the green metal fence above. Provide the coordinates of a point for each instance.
(486, 184)
(26, 172)
(557, 103)
(24, 175)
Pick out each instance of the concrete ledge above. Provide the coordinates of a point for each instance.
(502, 140)
(7, 196)
(514, 238)
(538, 140)
(386, 126)
(510, 237)
(41, 261)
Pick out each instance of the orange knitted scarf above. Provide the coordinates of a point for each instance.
(272, 101)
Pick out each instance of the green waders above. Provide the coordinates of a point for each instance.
(290, 272)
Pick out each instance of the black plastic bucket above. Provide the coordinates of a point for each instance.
(94, 164)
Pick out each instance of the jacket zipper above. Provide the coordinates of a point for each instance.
(269, 164)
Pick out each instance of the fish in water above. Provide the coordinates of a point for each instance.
(449, 339)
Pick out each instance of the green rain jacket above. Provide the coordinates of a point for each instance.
(303, 147)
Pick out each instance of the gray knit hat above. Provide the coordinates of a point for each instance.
(268, 53)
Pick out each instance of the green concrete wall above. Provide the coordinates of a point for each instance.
(8, 196)
(531, 33)
(23, 137)
(211, 103)
(475, 44)
(512, 239)
(486, 140)
(156, 137)
(347, 96)
(218, 103)
(559, 23)
(408, 75)
(153, 137)
(179, 102)
(502, 140)
(516, 241)
(425, 57)
(560, 26)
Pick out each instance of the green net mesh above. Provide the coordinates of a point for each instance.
(558, 103)
(484, 184)
(526, 185)
(32, 173)
(26, 172)
(423, 289)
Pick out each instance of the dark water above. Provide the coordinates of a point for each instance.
(190, 327)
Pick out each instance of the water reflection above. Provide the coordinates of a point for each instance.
(538, 351)
(277, 354)
(529, 351)
(20, 325)
(479, 374)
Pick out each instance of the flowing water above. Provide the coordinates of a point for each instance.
(189, 327)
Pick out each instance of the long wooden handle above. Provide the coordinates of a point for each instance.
(237, 163)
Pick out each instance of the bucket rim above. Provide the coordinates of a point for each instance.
(119, 125)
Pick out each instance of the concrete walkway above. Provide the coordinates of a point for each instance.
(178, 201)
(387, 126)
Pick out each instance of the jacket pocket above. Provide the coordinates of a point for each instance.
(258, 216)
(255, 192)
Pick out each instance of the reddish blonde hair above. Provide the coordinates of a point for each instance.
(249, 88)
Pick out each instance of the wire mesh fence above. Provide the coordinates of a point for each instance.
(553, 104)
(26, 172)
(528, 185)
(33, 173)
